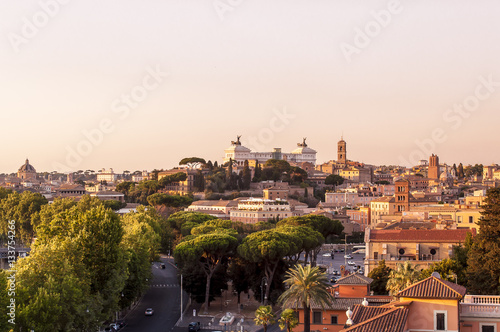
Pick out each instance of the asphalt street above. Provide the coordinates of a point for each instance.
(163, 297)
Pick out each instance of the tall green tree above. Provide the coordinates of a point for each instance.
(264, 316)
(460, 171)
(199, 181)
(229, 175)
(334, 180)
(247, 176)
(483, 261)
(324, 225)
(380, 276)
(403, 276)
(304, 285)
(257, 173)
(268, 248)
(208, 251)
(459, 255)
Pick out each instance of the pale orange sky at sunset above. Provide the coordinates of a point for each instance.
(138, 85)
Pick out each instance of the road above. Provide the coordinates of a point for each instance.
(163, 296)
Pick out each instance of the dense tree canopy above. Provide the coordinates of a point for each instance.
(268, 248)
(86, 263)
(192, 161)
(380, 276)
(24, 210)
(334, 180)
(483, 269)
(208, 251)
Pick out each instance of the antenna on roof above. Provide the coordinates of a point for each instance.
(436, 275)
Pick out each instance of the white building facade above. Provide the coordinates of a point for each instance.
(239, 153)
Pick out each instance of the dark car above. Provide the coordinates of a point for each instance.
(194, 326)
(162, 265)
(121, 323)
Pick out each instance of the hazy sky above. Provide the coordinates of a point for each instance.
(141, 84)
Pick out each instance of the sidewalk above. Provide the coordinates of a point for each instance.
(227, 303)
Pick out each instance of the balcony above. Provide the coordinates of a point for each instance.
(478, 306)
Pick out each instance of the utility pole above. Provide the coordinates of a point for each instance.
(345, 251)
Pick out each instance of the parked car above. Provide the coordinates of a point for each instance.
(109, 329)
(149, 312)
(115, 326)
(121, 323)
(162, 265)
(194, 326)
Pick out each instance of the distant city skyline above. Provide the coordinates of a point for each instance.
(133, 85)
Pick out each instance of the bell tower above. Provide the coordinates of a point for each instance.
(342, 151)
(433, 170)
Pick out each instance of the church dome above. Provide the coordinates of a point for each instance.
(27, 167)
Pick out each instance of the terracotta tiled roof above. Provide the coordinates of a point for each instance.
(354, 279)
(339, 303)
(393, 319)
(344, 303)
(434, 288)
(419, 235)
(361, 313)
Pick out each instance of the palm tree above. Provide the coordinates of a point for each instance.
(403, 276)
(288, 320)
(264, 316)
(305, 284)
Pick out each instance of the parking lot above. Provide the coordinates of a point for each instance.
(333, 265)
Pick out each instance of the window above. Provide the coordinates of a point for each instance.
(459, 219)
(440, 320)
(471, 219)
(334, 320)
(375, 255)
(487, 327)
(317, 317)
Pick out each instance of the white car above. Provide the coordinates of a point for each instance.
(326, 255)
(348, 256)
(351, 263)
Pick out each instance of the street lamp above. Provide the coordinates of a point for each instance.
(262, 283)
(221, 300)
